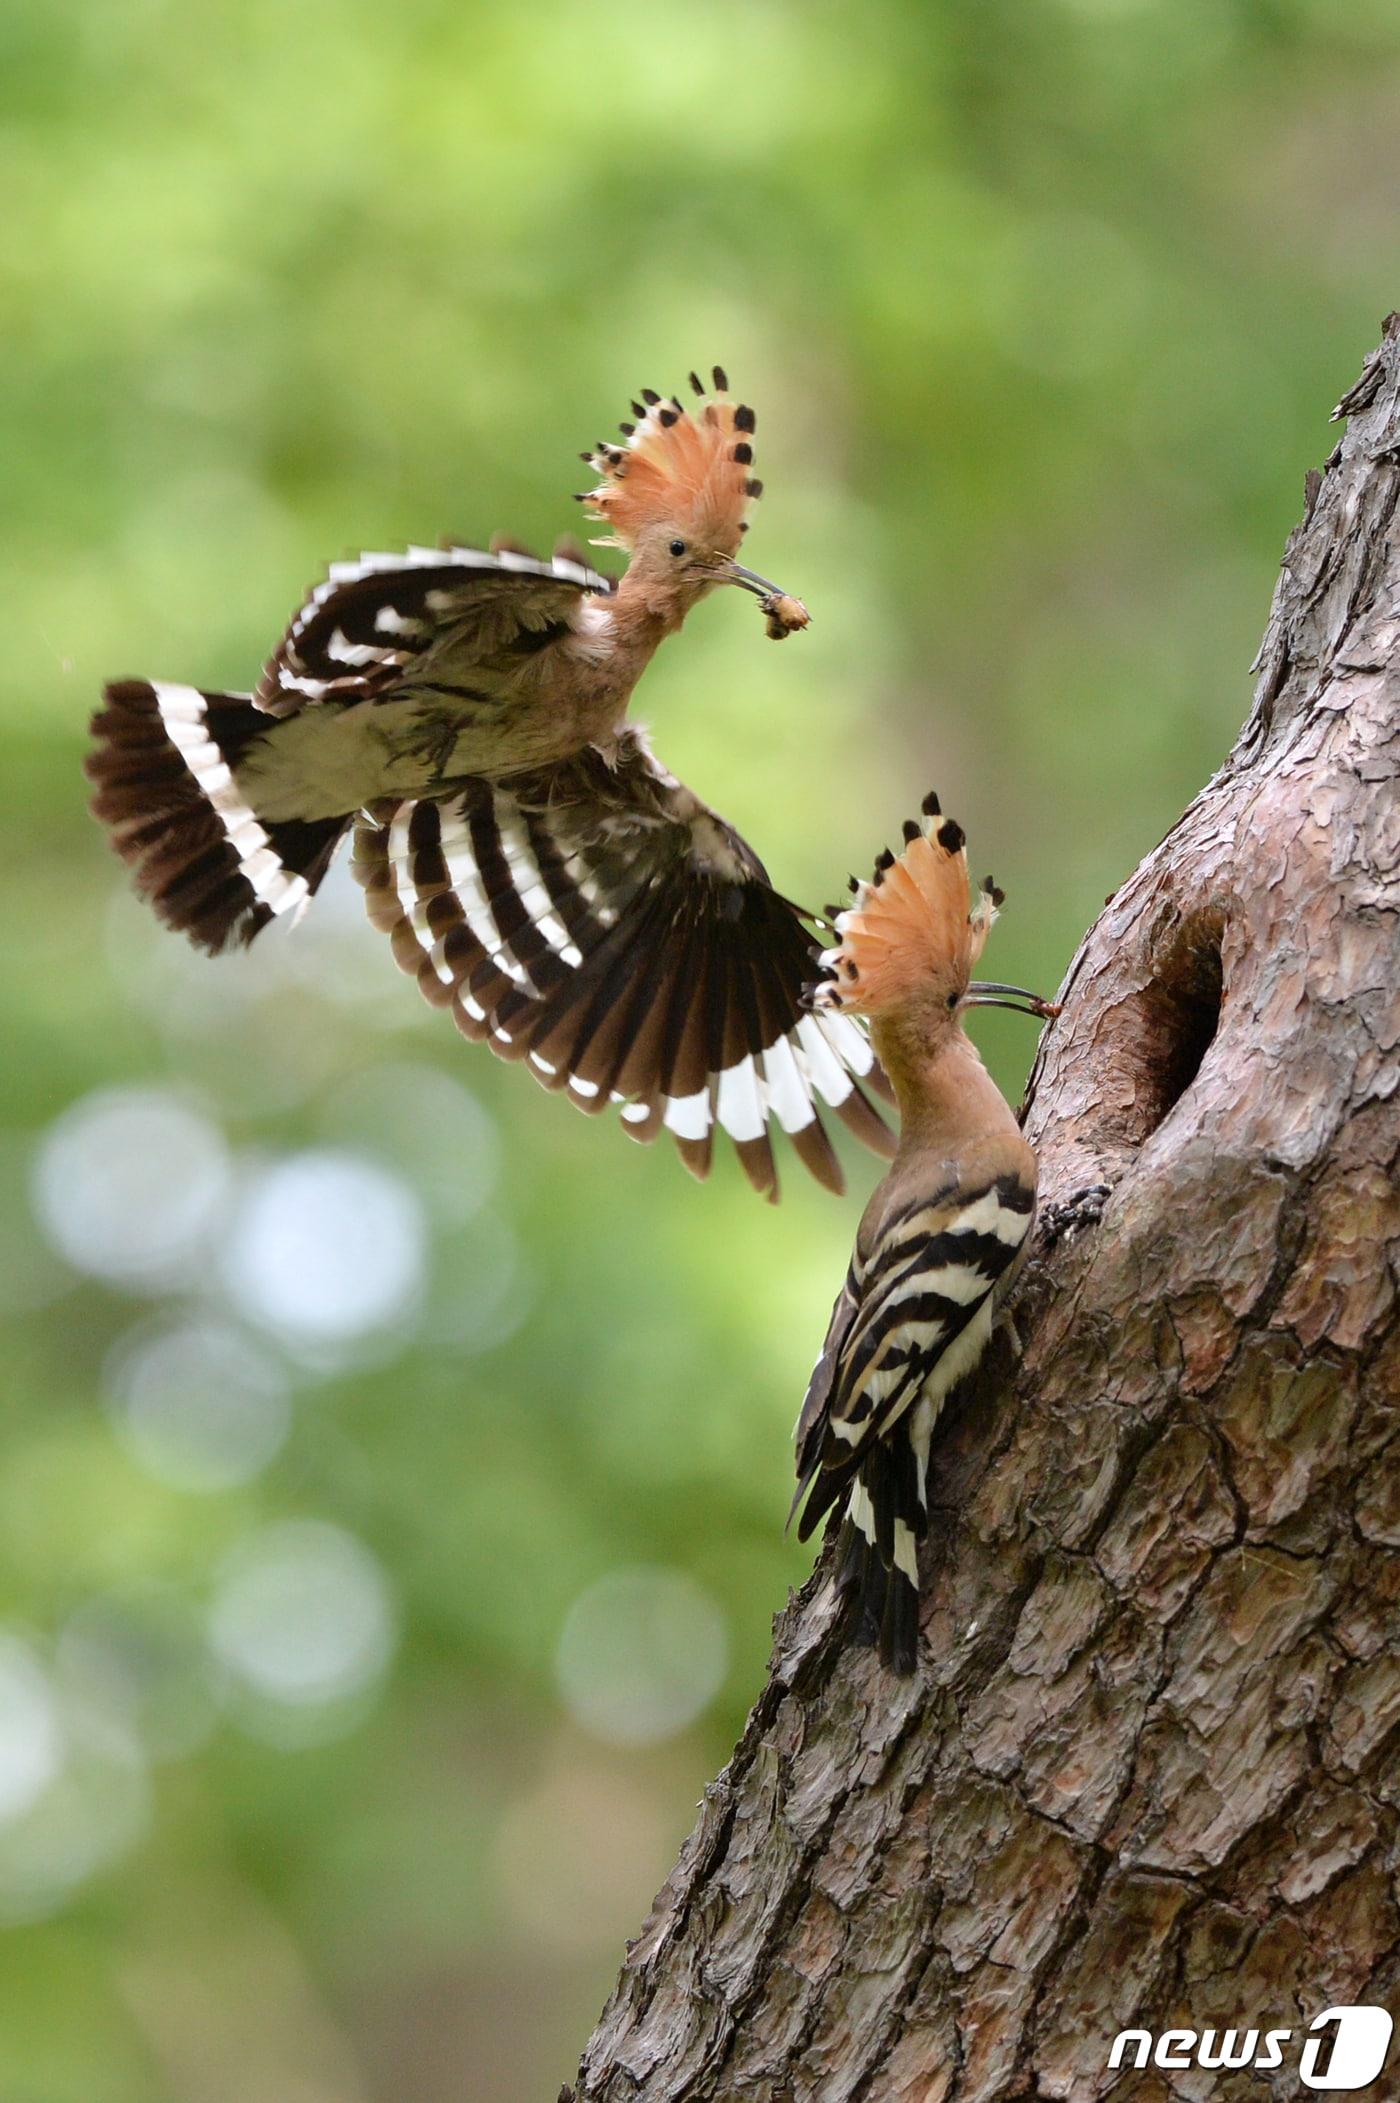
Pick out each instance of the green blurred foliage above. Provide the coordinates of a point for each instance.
(1042, 307)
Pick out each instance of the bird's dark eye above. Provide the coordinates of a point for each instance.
(678, 547)
(952, 1000)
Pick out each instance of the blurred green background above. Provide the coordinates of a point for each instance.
(394, 1460)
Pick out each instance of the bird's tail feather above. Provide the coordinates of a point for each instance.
(877, 1557)
(166, 792)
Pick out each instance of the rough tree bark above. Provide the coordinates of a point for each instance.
(1150, 1771)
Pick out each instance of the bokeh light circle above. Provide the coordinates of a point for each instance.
(642, 1653)
(198, 1404)
(73, 1786)
(130, 1184)
(31, 1740)
(325, 1247)
(302, 1617)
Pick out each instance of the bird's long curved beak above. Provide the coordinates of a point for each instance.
(988, 993)
(749, 580)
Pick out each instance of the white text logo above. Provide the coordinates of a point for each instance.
(1343, 2051)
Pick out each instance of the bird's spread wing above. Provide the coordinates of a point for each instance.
(912, 1318)
(598, 922)
(376, 619)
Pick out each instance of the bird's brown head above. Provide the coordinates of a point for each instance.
(909, 942)
(675, 495)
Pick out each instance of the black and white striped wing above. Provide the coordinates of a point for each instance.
(913, 1317)
(598, 923)
(374, 619)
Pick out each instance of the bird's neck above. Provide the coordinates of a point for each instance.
(944, 1092)
(607, 674)
(647, 609)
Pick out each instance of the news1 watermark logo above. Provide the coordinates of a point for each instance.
(1342, 2050)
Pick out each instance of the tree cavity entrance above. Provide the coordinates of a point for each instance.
(1179, 1013)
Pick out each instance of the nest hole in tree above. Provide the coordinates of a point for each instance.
(1179, 1012)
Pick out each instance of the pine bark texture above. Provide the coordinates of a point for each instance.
(1149, 1772)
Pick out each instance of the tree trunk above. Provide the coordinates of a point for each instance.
(1148, 1774)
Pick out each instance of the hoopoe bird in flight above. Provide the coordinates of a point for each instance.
(942, 1235)
(534, 867)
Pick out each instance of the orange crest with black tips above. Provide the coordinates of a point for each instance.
(690, 469)
(910, 924)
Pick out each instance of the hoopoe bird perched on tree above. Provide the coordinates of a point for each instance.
(535, 868)
(942, 1235)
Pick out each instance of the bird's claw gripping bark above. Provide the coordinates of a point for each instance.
(1067, 1217)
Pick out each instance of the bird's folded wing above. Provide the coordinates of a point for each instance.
(599, 923)
(905, 1325)
(810, 1432)
(373, 620)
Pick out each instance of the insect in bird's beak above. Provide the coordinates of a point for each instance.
(989, 993)
(784, 612)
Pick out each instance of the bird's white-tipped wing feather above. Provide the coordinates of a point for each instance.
(600, 924)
